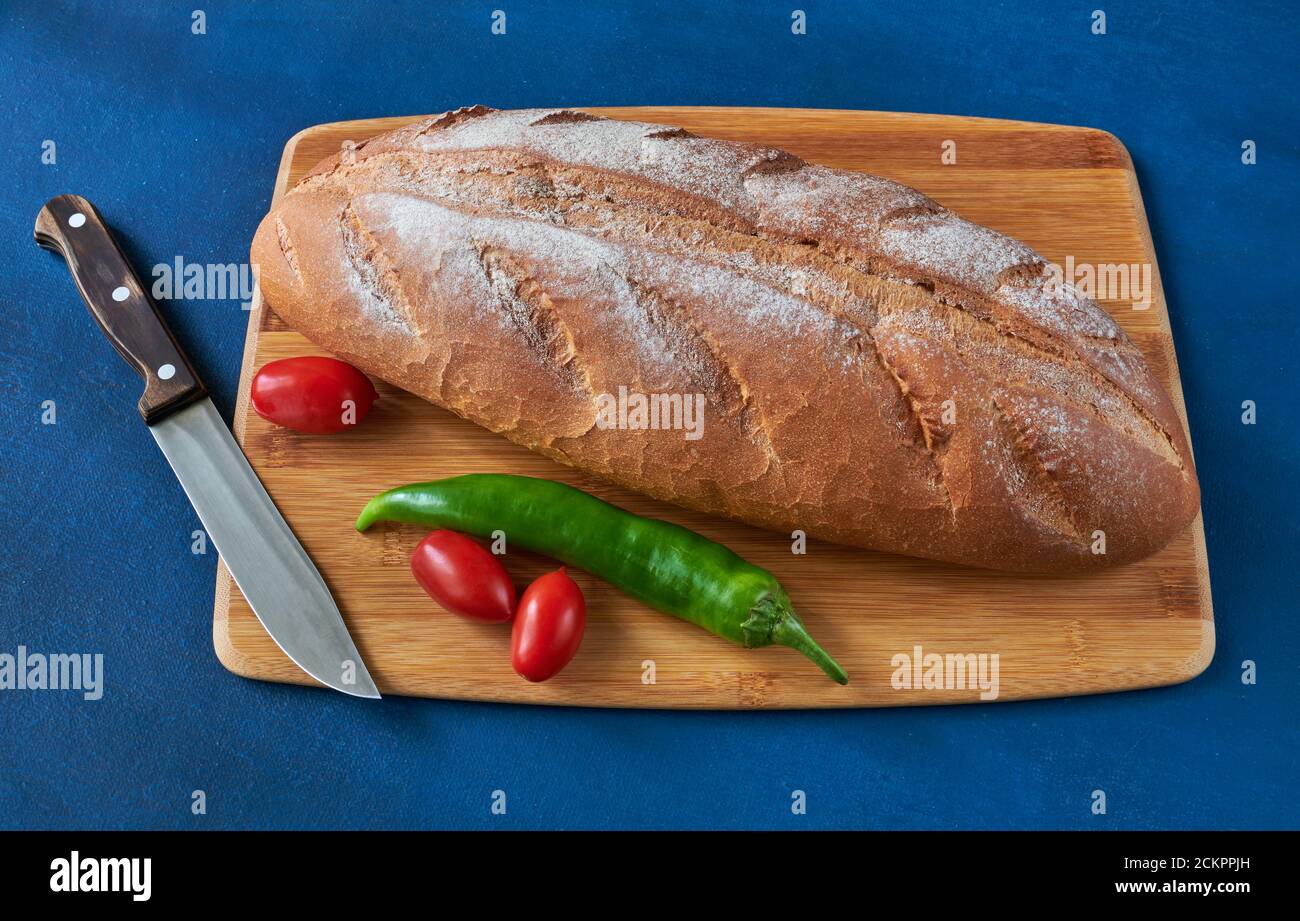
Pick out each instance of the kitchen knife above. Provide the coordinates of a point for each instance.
(268, 564)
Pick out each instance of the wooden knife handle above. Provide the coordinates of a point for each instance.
(71, 226)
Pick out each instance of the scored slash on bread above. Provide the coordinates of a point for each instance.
(876, 370)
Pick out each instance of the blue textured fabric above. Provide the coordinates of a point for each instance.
(176, 137)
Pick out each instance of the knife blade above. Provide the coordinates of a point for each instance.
(270, 566)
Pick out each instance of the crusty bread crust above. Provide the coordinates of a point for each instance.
(876, 371)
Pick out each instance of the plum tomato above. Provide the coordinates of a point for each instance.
(312, 394)
(548, 626)
(461, 575)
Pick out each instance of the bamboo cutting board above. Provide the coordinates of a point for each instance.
(1067, 192)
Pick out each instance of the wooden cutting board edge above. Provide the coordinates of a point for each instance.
(234, 661)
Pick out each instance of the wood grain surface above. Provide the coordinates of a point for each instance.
(1067, 192)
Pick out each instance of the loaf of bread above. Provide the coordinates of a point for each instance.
(872, 369)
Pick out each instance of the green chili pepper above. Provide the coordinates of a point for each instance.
(670, 568)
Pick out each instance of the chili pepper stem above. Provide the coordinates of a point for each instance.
(791, 633)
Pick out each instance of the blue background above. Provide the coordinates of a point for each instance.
(177, 136)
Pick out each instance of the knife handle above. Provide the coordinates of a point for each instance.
(72, 227)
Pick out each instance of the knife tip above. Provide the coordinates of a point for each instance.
(369, 693)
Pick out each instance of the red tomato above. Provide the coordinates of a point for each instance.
(313, 395)
(548, 629)
(461, 575)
